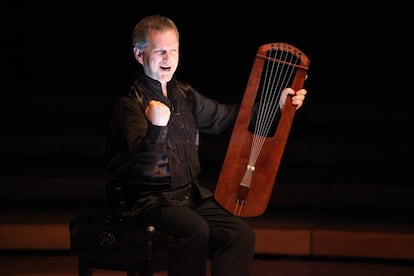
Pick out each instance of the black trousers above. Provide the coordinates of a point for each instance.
(206, 230)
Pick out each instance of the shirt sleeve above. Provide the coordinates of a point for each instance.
(135, 145)
(213, 117)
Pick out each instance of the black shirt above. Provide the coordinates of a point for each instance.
(143, 157)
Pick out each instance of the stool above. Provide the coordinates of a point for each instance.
(108, 242)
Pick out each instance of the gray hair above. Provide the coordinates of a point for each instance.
(148, 24)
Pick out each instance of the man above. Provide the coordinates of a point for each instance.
(153, 159)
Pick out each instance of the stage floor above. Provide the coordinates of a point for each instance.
(64, 265)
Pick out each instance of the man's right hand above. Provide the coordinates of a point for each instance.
(158, 113)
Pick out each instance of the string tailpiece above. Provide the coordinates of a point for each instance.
(243, 190)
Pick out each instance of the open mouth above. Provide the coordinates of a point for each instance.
(165, 68)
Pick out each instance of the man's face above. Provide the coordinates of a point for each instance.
(160, 57)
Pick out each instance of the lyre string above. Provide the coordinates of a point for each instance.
(279, 72)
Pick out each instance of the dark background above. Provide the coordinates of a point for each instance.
(63, 63)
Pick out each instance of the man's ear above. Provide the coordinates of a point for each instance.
(138, 55)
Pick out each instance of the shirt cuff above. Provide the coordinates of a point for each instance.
(157, 134)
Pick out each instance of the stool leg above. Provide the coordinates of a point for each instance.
(83, 268)
(147, 271)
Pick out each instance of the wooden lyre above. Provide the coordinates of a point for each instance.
(261, 131)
